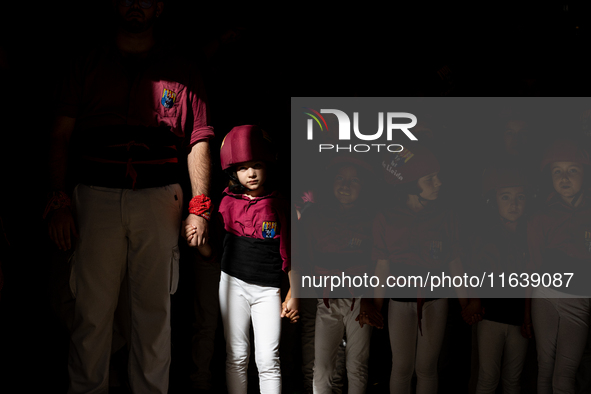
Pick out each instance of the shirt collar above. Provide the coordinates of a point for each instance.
(555, 199)
(241, 196)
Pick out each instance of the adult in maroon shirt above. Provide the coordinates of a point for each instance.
(132, 111)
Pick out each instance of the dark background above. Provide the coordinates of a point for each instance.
(486, 49)
(238, 54)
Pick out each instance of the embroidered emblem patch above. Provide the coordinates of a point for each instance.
(588, 240)
(168, 98)
(400, 158)
(269, 229)
(354, 242)
(435, 249)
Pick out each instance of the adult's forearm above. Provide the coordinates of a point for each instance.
(199, 163)
(58, 151)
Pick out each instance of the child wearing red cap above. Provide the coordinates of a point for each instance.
(500, 247)
(414, 236)
(559, 241)
(256, 249)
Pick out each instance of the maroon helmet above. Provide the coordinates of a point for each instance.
(499, 177)
(355, 159)
(564, 150)
(245, 143)
(412, 163)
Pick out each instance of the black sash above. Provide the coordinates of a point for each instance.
(253, 260)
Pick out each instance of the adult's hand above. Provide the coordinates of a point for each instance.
(369, 314)
(62, 228)
(200, 225)
(473, 312)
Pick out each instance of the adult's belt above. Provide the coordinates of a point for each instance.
(130, 170)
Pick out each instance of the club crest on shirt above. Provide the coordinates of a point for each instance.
(435, 249)
(588, 240)
(400, 158)
(354, 243)
(269, 229)
(168, 98)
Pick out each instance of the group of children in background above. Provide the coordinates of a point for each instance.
(380, 217)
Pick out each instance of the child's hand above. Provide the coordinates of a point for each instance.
(368, 314)
(188, 232)
(289, 309)
(527, 329)
(205, 251)
(473, 312)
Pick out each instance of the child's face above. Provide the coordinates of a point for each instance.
(511, 202)
(347, 185)
(252, 175)
(567, 177)
(430, 185)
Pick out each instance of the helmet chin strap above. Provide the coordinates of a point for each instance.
(421, 199)
(576, 197)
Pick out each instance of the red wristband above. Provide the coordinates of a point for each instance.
(58, 200)
(201, 206)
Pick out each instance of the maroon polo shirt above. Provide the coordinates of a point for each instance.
(559, 241)
(105, 89)
(416, 243)
(336, 242)
(428, 239)
(497, 250)
(264, 217)
(331, 238)
(134, 117)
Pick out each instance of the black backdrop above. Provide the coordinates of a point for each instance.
(300, 50)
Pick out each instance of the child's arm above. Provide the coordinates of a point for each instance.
(370, 312)
(290, 306)
(214, 243)
(205, 249)
(526, 327)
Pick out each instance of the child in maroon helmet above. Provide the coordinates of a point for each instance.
(414, 236)
(501, 247)
(256, 249)
(559, 242)
(335, 239)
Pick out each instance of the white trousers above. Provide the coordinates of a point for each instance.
(501, 354)
(412, 352)
(124, 230)
(561, 326)
(239, 303)
(331, 324)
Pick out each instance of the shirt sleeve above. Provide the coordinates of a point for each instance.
(201, 130)
(283, 214)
